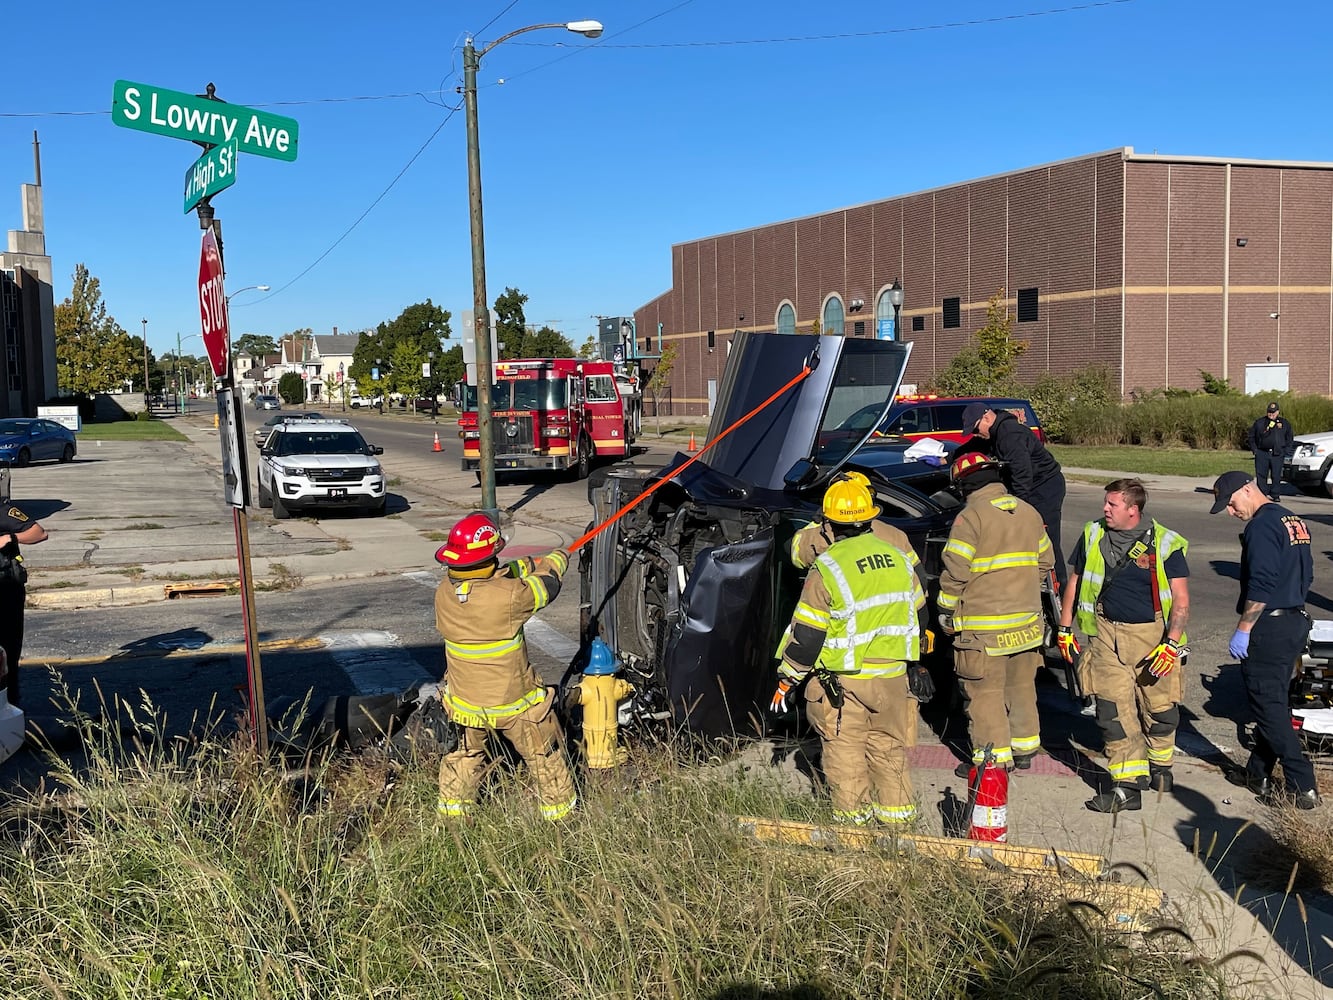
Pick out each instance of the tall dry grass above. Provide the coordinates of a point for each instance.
(187, 870)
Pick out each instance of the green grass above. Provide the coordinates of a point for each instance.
(1151, 461)
(180, 868)
(131, 430)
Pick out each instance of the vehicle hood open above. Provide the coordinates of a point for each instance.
(794, 443)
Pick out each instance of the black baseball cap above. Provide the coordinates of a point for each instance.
(971, 415)
(1225, 487)
(1272, 407)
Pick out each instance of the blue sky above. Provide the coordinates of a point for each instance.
(687, 118)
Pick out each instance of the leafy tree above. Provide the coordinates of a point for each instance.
(424, 326)
(1214, 386)
(660, 379)
(93, 353)
(987, 367)
(588, 349)
(254, 343)
(511, 325)
(548, 343)
(450, 368)
(291, 387)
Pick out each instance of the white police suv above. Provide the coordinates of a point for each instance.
(319, 464)
(1310, 469)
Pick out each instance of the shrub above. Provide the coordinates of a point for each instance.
(291, 387)
(1058, 398)
(143, 415)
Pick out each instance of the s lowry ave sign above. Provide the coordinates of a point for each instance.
(198, 119)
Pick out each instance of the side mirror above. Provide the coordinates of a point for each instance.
(801, 475)
(375, 449)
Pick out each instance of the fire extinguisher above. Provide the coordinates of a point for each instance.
(988, 787)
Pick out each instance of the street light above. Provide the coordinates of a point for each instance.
(430, 387)
(227, 309)
(480, 308)
(896, 300)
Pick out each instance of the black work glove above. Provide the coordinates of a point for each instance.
(920, 685)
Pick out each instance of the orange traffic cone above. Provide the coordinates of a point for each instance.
(692, 448)
(436, 446)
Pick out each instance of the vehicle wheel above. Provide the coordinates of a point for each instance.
(68, 454)
(23, 457)
(264, 499)
(280, 511)
(380, 510)
(584, 464)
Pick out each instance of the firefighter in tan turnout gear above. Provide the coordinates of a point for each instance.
(489, 686)
(990, 601)
(855, 628)
(810, 542)
(1129, 584)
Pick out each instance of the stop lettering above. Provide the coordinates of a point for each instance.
(213, 304)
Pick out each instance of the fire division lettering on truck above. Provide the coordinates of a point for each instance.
(551, 413)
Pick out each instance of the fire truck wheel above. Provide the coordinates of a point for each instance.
(584, 464)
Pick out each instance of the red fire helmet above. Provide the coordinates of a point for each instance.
(472, 540)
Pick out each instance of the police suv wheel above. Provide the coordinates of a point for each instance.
(280, 511)
(265, 499)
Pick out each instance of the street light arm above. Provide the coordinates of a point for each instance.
(590, 29)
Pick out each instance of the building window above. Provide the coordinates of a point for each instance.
(953, 315)
(918, 324)
(1027, 305)
(832, 325)
(859, 328)
(786, 319)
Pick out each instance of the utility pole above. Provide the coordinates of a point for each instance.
(147, 401)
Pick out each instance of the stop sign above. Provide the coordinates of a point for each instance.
(213, 304)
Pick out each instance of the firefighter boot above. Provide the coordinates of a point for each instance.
(1159, 778)
(1121, 798)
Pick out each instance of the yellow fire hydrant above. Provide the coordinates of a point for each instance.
(600, 692)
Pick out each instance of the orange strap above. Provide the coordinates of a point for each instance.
(591, 534)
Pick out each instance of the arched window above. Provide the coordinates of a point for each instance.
(884, 318)
(832, 324)
(786, 319)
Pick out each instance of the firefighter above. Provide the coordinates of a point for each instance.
(489, 686)
(856, 629)
(990, 601)
(810, 542)
(1129, 584)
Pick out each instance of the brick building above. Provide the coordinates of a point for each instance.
(1157, 266)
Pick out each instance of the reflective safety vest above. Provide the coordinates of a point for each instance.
(872, 614)
(1090, 582)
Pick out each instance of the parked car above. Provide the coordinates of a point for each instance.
(24, 440)
(356, 401)
(263, 430)
(940, 417)
(319, 464)
(268, 403)
(1310, 469)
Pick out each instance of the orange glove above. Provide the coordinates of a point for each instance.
(1068, 643)
(1162, 660)
(780, 704)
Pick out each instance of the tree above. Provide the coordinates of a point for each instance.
(93, 353)
(660, 379)
(510, 324)
(548, 343)
(256, 344)
(588, 349)
(291, 387)
(988, 366)
(451, 368)
(423, 326)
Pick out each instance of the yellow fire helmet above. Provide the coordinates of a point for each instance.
(851, 475)
(848, 502)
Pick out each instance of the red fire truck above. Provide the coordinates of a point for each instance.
(552, 413)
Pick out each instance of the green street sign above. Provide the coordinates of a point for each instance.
(186, 116)
(212, 172)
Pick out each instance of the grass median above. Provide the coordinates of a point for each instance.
(1143, 460)
(131, 430)
(183, 869)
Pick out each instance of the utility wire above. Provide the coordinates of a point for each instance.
(497, 17)
(360, 218)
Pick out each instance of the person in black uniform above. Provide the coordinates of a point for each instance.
(16, 529)
(1276, 571)
(1034, 474)
(1271, 442)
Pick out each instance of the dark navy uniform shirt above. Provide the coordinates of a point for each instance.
(1129, 597)
(12, 521)
(1276, 567)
